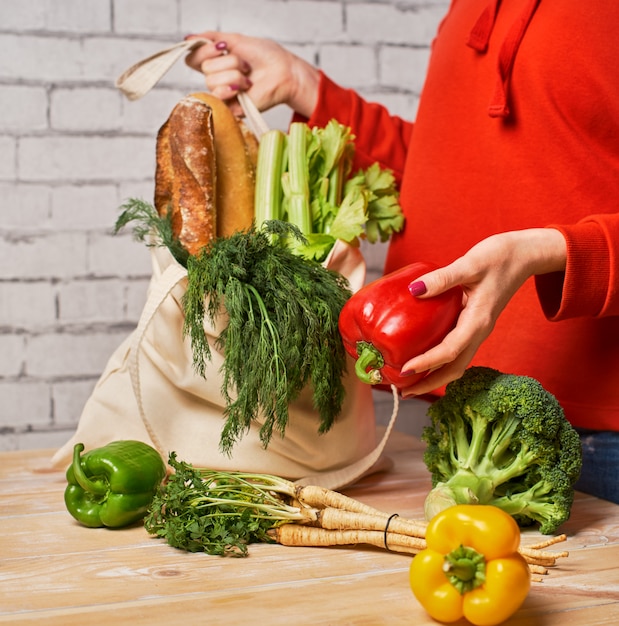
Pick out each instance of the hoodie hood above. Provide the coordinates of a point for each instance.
(479, 39)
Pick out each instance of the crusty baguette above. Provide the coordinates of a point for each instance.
(186, 178)
(163, 171)
(236, 165)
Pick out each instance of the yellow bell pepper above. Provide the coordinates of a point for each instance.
(471, 567)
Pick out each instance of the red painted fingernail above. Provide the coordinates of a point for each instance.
(221, 45)
(234, 87)
(417, 288)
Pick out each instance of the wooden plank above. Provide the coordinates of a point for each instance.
(372, 599)
(134, 572)
(18, 462)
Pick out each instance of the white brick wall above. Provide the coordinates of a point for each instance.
(72, 149)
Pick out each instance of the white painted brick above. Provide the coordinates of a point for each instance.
(8, 158)
(84, 207)
(350, 66)
(22, 109)
(115, 255)
(26, 403)
(135, 189)
(196, 16)
(66, 354)
(55, 255)
(403, 68)
(27, 304)
(9, 441)
(394, 23)
(91, 301)
(154, 16)
(69, 399)
(293, 21)
(26, 57)
(24, 207)
(135, 298)
(39, 439)
(85, 158)
(67, 16)
(149, 114)
(91, 110)
(12, 349)
(105, 58)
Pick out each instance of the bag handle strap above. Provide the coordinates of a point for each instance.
(169, 279)
(142, 76)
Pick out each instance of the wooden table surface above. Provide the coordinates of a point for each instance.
(54, 571)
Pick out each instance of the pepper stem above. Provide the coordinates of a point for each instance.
(370, 357)
(465, 568)
(92, 486)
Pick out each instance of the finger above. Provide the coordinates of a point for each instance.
(195, 58)
(436, 379)
(226, 82)
(440, 280)
(445, 352)
(222, 63)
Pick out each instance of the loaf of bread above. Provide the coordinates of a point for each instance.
(236, 155)
(186, 176)
(205, 173)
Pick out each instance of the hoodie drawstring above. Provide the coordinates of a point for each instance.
(479, 38)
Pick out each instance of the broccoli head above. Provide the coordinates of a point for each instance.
(502, 439)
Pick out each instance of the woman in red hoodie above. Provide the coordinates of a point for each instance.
(509, 180)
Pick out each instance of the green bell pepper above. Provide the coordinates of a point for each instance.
(113, 485)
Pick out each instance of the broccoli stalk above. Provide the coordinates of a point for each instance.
(502, 439)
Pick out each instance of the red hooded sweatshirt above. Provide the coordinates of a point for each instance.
(517, 127)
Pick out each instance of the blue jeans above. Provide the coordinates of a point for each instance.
(600, 467)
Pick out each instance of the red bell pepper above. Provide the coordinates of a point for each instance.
(383, 325)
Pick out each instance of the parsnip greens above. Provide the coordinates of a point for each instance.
(304, 177)
(219, 513)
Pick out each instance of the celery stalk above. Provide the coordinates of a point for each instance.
(299, 211)
(269, 169)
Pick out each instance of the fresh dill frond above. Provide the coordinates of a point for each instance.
(150, 227)
(282, 333)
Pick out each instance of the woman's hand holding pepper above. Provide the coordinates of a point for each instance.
(270, 74)
(490, 273)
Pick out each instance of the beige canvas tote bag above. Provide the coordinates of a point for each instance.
(149, 390)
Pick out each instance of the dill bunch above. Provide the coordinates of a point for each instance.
(282, 332)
